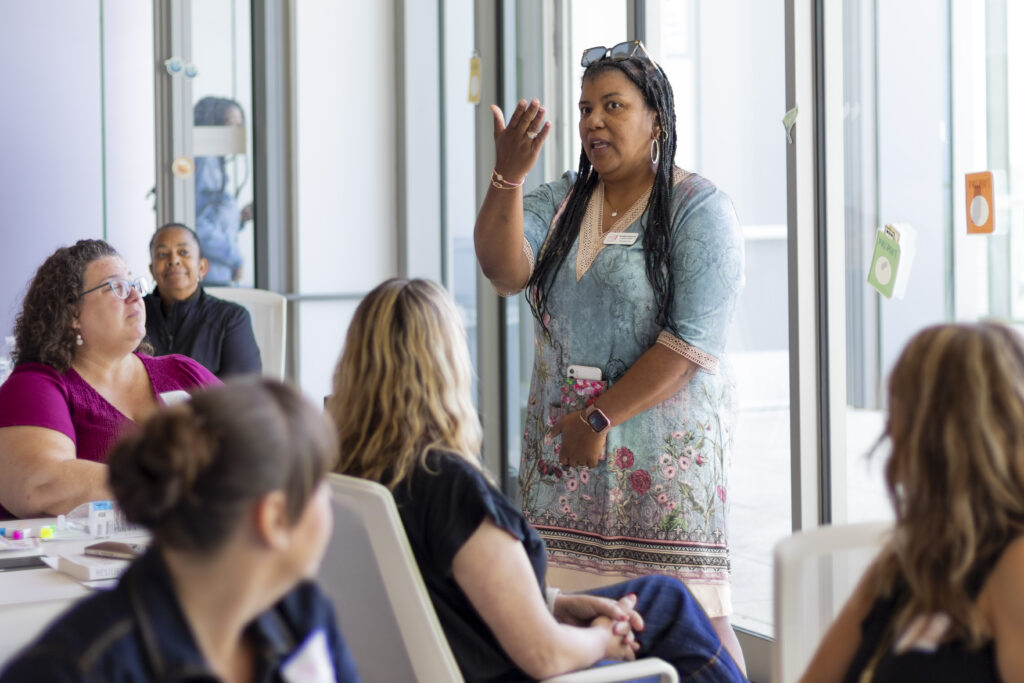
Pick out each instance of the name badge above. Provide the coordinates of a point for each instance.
(624, 238)
(311, 662)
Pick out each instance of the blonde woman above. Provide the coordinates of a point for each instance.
(945, 599)
(405, 418)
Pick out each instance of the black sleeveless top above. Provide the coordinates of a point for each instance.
(952, 661)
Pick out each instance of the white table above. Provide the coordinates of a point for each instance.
(31, 598)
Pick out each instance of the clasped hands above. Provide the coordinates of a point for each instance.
(620, 617)
(581, 446)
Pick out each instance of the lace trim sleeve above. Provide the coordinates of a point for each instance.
(528, 252)
(705, 361)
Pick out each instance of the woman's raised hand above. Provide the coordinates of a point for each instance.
(517, 145)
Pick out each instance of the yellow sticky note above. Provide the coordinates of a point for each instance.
(474, 78)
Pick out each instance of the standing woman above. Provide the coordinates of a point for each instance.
(632, 268)
(231, 486)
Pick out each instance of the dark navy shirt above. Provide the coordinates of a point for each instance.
(138, 632)
(215, 332)
(440, 511)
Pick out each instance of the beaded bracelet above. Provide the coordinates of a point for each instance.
(499, 182)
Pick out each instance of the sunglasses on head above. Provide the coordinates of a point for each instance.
(616, 53)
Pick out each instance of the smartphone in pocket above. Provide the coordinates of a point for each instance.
(584, 372)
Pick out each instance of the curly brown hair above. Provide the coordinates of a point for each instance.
(43, 330)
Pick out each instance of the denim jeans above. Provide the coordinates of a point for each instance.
(676, 629)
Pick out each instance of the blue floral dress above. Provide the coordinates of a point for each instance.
(656, 501)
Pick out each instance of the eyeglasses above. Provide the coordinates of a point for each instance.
(122, 288)
(617, 53)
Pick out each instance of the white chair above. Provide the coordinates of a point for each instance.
(815, 573)
(382, 604)
(269, 312)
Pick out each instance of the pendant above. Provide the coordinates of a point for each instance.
(614, 214)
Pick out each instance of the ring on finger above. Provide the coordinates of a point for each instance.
(531, 134)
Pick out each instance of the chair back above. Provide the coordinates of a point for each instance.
(380, 600)
(815, 573)
(269, 313)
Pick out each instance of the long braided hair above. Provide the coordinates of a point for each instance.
(652, 83)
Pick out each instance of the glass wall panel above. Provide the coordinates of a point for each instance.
(344, 238)
(726, 63)
(222, 141)
(460, 166)
(584, 23)
(906, 154)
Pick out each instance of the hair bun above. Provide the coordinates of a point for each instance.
(154, 472)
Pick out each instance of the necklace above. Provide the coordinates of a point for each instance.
(615, 211)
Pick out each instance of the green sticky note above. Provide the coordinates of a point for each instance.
(884, 264)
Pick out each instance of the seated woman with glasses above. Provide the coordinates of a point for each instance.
(405, 417)
(632, 268)
(944, 600)
(81, 378)
(230, 484)
(182, 318)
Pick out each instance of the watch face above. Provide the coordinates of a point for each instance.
(597, 420)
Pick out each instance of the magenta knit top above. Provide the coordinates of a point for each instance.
(36, 395)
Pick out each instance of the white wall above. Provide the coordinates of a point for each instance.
(51, 180)
(345, 238)
(130, 138)
(77, 140)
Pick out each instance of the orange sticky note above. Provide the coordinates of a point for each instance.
(981, 210)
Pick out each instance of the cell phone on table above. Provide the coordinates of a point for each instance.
(584, 372)
(8, 564)
(115, 549)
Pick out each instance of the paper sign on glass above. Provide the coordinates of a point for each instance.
(980, 204)
(885, 261)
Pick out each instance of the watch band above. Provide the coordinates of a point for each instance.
(601, 423)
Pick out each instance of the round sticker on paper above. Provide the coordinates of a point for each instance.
(883, 270)
(979, 210)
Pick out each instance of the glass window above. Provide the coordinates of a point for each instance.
(726, 63)
(222, 139)
(459, 167)
(589, 23)
(741, 148)
(906, 152)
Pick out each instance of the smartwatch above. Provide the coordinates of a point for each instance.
(597, 420)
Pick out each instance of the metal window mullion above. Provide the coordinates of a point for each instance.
(172, 37)
(804, 357)
(488, 23)
(831, 257)
(274, 143)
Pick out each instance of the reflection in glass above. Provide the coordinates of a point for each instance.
(218, 216)
(222, 95)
